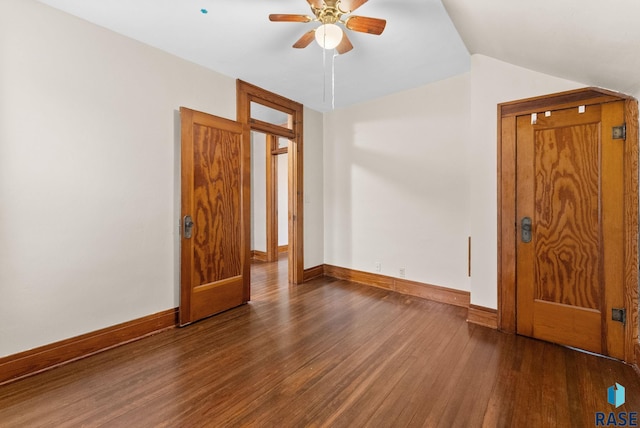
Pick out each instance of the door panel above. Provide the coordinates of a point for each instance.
(569, 183)
(215, 193)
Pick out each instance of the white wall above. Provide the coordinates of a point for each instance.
(89, 174)
(283, 199)
(397, 184)
(258, 191)
(493, 82)
(410, 176)
(313, 189)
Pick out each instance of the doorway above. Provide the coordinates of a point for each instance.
(531, 274)
(266, 112)
(269, 197)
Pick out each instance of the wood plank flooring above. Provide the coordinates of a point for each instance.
(326, 353)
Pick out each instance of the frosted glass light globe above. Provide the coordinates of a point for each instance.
(328, 36)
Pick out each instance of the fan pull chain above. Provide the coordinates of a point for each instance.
(333, 77)
(333, 81)
(324, 76)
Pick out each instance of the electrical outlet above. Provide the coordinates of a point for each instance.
(378, 266)
(401, 272)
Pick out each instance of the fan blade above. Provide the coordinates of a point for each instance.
(366, 25)
(345, 44)
(348, 6)
(284, 17)
(306, 38)
(317, 4)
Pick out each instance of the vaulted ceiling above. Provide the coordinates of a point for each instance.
(588, 41)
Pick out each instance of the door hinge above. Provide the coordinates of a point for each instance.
(619, 314)
(619, 132)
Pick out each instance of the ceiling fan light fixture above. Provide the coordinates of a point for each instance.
(328, 36)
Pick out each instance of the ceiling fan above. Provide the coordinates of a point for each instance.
(330, 13)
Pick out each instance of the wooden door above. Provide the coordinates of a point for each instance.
(215, 173)
(570, 184)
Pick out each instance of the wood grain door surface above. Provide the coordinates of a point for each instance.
(570, 183)
(215, 173)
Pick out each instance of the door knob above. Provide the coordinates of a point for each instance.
(525, 229)
(187, 226)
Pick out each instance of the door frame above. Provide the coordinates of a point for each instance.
(247, 93)
(507, 230)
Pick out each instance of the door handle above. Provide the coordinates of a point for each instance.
(525, 229)
(187, 226)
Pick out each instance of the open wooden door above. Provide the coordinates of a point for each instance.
(215, 174)
(570, 214)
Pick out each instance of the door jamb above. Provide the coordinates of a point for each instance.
(246, 93)
(506, 177)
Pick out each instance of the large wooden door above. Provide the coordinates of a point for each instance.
(215, 173)
(570, 185)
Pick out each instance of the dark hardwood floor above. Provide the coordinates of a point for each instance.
(326, 353)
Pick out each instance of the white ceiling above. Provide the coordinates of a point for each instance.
(589, 41)
(580, 40)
